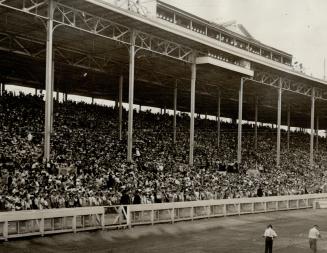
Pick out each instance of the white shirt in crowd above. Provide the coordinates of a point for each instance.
(269, 232)
(314, 233)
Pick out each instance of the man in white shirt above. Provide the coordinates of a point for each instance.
(269, 235)
(313, 237)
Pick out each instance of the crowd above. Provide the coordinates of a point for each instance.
(88, 161)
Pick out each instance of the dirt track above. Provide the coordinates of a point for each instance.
(232, 234)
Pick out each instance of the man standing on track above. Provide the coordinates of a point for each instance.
(269, 235)
(314, 234)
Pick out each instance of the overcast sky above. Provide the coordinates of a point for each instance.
(298, 27)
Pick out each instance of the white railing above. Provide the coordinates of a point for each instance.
(53, 221)
(181, 211)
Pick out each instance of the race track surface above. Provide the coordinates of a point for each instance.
(233, 234)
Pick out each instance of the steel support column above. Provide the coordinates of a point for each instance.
(240, 115)
(121, 81)
(218, 119)
(312, 123)
(288, 126)
(279, 118)
(48, 80)
(317, 133)
(3, 89)
(52, 89)
(131, 97)
(256, 123)
(193, 81)
(175, 115)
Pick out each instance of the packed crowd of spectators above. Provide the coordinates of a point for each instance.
(88, 161)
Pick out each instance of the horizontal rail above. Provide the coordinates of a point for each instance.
(182, 211)
(18, 224)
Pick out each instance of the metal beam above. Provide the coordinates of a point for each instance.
(272, 80)
(48, 78)
(256, 123)
(240, 114)
(288, 126)
(33, 7)
(131, 98)
(51, 96)
(317, 133)
(312, 126)
(105, 28)
(193, 81)
(121, 80)
(218, 118)
(279, 118)
(175, 115)
(75, 57)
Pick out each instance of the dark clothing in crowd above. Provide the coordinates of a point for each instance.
(88, 164)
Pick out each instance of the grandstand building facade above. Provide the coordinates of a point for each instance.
(154, 54)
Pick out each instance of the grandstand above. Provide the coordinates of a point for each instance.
(219, 60)
(151, 54)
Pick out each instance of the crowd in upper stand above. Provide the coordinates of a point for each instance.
(88, 161)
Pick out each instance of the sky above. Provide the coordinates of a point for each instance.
(298, 27)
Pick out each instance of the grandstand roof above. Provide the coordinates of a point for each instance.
(79, 51)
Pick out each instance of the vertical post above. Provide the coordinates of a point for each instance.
(165, 110)
(5, 230)
(256, 123)
(121, 81)
(175, 109)
(74, 224)
(3, 89)
(52, 89)
(193, 81)
(140, 108)
(103, 221)
(312, 125)
(279, 118)
(218, 119)
(240, 114)
(92, 100)
(131, 97)
(317, 133)
(129, 217)
(206, 120)
(48, 79)
(41, 224)
(288, 126)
